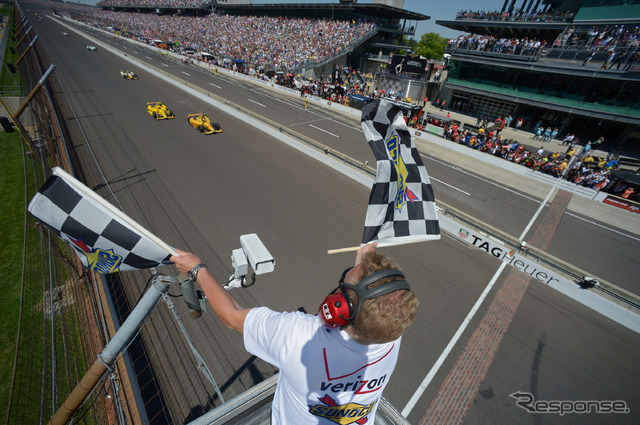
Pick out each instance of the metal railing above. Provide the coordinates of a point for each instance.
(253, 408)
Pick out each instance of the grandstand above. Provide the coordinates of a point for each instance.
(573, 81)
(367, 51)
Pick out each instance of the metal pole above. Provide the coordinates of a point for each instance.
(108, 356)
(27, 49)
(22, 38)
(535, 8)
(33, 92)
(21, 25)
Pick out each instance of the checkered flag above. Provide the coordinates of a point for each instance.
(401, 204)
(105, 239)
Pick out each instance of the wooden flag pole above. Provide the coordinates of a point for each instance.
(380, 245)
(340, 250)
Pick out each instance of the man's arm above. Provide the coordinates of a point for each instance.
(224, 305)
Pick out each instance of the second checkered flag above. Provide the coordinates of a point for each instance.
(401, 204)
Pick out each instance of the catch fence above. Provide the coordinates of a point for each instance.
(64, 319)
(160, 377)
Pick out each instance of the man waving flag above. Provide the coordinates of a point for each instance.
(105, 239)
(401, 204)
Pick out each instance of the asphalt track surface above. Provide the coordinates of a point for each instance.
(202, 192)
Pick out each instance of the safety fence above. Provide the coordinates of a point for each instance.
(62, 325)
(152, 380)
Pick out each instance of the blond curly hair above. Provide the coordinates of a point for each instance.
(387, 317)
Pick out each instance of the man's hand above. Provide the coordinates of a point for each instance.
(185, 261)
(224, 305)
(370, 247)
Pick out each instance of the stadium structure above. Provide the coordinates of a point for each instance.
(382, 52)
(570, 83)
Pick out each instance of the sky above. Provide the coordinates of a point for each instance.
(436, 9)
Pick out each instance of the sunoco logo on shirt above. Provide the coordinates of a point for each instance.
(343, 414)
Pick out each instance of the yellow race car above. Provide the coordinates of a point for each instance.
(159, 111)
(128, 75)
(203, 124)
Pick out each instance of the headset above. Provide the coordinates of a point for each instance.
(337, 309)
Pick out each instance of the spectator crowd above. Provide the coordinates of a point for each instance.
(576, 164)
(266, 42)
(516, 15)
(600, 37)
(151, 3)
(488, 43)
(621, 44)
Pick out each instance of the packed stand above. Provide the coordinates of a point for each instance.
(487, 43)
(266, 42)
(150, 3)
(516, 15)
(622, 44)
(600, 37)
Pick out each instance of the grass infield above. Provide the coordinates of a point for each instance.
(12, 211)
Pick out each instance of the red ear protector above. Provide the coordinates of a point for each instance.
(337, 310)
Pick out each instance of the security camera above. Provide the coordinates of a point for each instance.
(240, 263)
(258, 255)
(254, 253)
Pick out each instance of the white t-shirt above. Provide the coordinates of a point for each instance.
(325, 377)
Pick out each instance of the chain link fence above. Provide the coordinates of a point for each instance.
(68, 315)
(63, 324)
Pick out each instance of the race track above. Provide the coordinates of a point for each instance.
(201, 193)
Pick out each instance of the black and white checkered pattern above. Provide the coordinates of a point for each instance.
(104, 242)
(401, 204)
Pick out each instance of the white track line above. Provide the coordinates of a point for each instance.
(257, 103)
(323, 130)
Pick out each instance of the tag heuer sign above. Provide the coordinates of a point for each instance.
(463, 233)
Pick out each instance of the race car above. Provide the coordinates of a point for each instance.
(203, 124)
(91, 47)
(128, 75)
(64, 33)
(159, 111)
